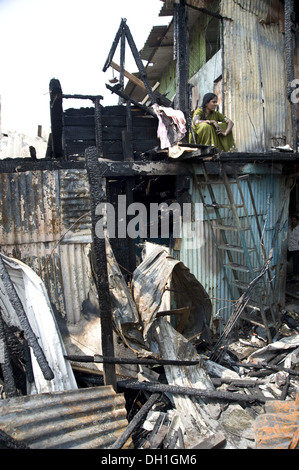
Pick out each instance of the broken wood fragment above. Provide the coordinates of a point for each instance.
(128, 75)
(262, 365)
(119, 443)
(120, 93)
(235, 382)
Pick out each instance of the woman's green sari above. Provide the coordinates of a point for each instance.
(205, 134)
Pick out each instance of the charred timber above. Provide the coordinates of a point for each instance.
(139, 63)
(117, 360)
(120, 169)
(6, 365)
(177, 390)
(83, 97)
(135, 421)
(113, 48)
(263, 365)
(120, 93)
(182, 56)
(56, 112)
(98, 196)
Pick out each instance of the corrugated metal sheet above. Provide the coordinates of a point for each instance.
(30, 209)
(278, 428)
(45, 222)
(200, 255)
(254, 78)
(90, 418)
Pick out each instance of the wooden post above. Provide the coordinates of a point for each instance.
(98, 126)
(127, 140)
(182, 56)
(56, 117)
(98, 196)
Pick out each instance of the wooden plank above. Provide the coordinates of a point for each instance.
(79, 133)
(79, 112)
(74, 148)
(128, 75)
(115, 146)
(114, 111)
(142, 133)
(111, 121)
(79, 121)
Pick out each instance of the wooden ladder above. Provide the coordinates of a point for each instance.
(240, 252)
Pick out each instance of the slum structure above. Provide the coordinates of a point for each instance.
(168, 317)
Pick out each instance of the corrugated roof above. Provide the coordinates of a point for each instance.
(89, 418)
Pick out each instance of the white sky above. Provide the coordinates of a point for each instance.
(65, 39)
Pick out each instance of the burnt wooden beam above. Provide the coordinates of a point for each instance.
(122, 360)
(127, 140)
(83, 97)
(122, 62)
(161, 99)
(182, 56)
(114, 45)
(178, 390)
(98, 196)
(114, 169)
(120, 93)
(119, 443)
(98, 126)
(56, 118)
(139, 63)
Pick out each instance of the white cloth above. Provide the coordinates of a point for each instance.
(171, 127)
(293, 239)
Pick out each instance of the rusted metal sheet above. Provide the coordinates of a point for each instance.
(91, 418)
(255, 88)
(159, 273)
(45, 222)
(29, 207)
(278, 428)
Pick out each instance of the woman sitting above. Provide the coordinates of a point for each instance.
(211, 127)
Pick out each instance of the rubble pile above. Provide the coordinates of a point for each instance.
(252, 376)
(176, 396)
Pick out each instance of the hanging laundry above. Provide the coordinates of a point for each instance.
(171, 127)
